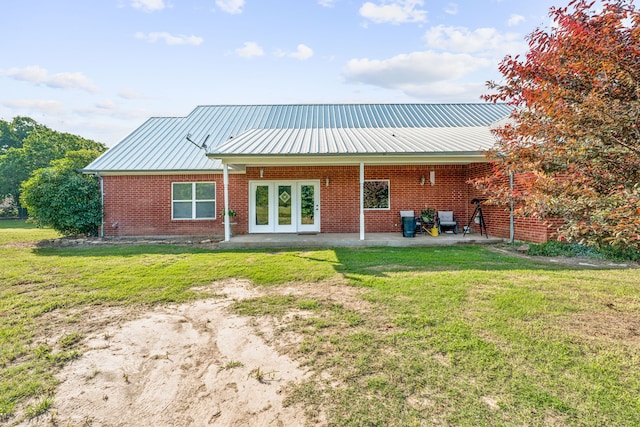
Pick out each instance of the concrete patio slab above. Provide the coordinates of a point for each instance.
(329, 240)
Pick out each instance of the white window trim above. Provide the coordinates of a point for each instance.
(194, 200)
(389, 195)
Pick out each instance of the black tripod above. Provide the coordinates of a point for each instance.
(477, 212)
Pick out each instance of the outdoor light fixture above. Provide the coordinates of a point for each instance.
(261, 173)
(432, 177)
(422, 180)
(326, 181)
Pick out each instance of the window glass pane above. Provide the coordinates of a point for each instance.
(262, 205)
(376, 194)
(182, 191)
(205, 191)
(182, 210)
(284, 204)
(307, 204)
(205, 209)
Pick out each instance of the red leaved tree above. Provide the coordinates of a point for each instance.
(574, 138)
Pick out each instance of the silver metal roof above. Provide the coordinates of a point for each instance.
(160, 144)
(358, 141)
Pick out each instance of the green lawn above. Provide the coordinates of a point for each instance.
(440, 336)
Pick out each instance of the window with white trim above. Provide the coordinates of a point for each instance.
(376, 194)
(193, 200)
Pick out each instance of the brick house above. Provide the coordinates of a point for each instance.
(338, 168)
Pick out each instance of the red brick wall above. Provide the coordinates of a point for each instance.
(340, 202)
(139, 205)
(448, 193)
(497, 217)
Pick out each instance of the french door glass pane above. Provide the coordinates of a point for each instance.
(262, 205)
(307, 204)
(284, 205)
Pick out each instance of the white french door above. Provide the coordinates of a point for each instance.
(308, 197)
(284, 206)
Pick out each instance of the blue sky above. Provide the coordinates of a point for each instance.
(100, 68)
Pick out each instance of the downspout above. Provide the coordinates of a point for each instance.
(97, 174)
(361, 200)
(227, 225)
(512, 230)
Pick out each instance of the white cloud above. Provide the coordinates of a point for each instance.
(231, 6)
(128, 93)
(40, 76)
(480, 40)
(148, 5)
(430, 75)
(455, 65)
(169, 39)
(451, 9)
(413, 69)
(302, 53)
(106, 105)
(394, 12)
(446, 91)
(515, 19)
(250, 50)
(327, 3)
(108, 110)
(42, 106)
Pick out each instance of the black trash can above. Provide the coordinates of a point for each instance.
(408, 226)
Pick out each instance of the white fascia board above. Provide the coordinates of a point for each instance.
(158, 172)
(233, 169)
(379, 159)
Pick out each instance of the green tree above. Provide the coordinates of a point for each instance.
(13, 133)
(574, 141)
(62, 197)
(40, 146)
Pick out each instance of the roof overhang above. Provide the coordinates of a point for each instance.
(236, 169)
(456, 158)
(348, 146)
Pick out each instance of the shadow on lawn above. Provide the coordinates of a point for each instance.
(380, 262)
(128, 250)
(370, 261)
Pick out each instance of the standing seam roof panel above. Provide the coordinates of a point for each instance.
(160, 143)
(419, 114)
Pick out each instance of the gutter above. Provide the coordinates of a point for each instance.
(334, 159)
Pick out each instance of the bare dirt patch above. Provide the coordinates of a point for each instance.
(192, 364)
(339, 292)
(613, 326)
